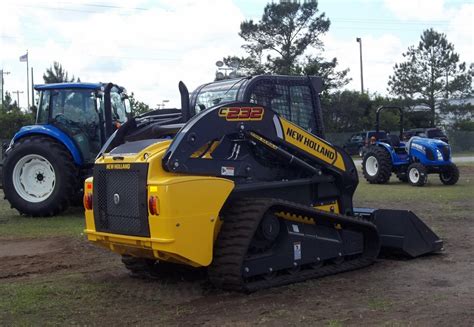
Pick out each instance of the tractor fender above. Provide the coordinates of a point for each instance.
(389, 150)
(54, 133)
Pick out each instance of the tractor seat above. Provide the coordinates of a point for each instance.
(394, 140)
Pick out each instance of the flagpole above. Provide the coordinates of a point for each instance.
(27, 81)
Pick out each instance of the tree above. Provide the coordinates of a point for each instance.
(8, 104)
(345, 111)
(138, 107)
(332, 79)
(286, 30)
(278, 43)
(57, 74)
(12, 118)
(431, 71)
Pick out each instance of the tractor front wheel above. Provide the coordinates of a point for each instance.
(417, 175)
(450, 176)
(39, 176)
(377, 165)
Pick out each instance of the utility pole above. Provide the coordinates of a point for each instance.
(2, 72)
(32, 89)
(359, 40)
(18, 97)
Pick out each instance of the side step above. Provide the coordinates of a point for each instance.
(401, 231)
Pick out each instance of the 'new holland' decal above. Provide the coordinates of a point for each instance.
(311, 144)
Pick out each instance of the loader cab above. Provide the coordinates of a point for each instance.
(293, 97)
(88, 113)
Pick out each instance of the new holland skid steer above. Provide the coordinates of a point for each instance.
(240, 181)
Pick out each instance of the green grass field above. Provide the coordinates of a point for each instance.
(13, 225)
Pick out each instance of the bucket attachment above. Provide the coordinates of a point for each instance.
(401, 231)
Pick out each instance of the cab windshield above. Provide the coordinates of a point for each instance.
(216, 93)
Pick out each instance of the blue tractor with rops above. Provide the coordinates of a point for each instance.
(46, 163)
(411, 161)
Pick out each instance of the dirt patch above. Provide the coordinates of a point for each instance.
(33, 247)
(31, 257)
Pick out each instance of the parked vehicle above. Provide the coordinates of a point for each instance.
(411, 161)
(358, 143)
(431, 133)
(45, 164)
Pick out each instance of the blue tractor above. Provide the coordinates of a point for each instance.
(411, 161)
(46, 163)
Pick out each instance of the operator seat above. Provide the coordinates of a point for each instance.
(394, 140)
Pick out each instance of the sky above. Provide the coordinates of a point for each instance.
(148, 46)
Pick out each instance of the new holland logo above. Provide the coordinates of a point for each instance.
(116, 198)
(312, 144)
(241, 113)
(117, 166)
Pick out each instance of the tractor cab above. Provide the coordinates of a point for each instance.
(293, 97)
(86, 112)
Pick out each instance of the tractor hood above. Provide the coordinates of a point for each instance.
(426, 142)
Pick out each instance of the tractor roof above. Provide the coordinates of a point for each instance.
(55, 86)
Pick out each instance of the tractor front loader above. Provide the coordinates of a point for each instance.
(241, 182)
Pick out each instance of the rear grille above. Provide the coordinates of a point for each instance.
(120, 203)
(445, 151)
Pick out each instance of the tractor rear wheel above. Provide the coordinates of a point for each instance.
(377, 165)
(417, 175)
(450, 176)
(39, 176)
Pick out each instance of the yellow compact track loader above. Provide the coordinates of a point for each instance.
(240, 181)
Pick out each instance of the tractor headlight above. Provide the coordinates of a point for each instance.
(439, 155)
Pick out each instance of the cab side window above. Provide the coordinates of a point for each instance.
(301, 106)
(43, 110)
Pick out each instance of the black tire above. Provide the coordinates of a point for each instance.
(417, 175)
(402, 177)
(66, 176)
(450, 176)
(379, 171)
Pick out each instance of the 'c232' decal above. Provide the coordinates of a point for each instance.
(241, 113)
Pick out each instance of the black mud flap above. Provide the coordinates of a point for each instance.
(402, 232)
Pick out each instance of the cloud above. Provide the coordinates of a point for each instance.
(459, 32)
(146, 47)
(423, 10)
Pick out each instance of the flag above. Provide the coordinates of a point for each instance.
(24, 57)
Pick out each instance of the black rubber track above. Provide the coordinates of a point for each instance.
(241, 220)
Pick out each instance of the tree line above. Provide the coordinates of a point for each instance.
(287, 41)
